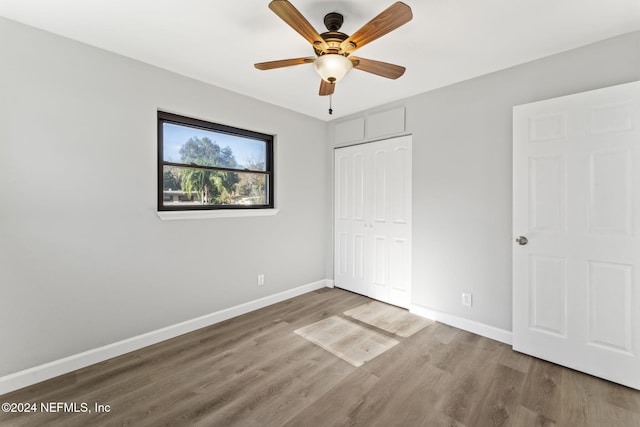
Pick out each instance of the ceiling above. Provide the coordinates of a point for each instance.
(218, 41)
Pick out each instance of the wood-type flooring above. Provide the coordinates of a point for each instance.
(253, 370)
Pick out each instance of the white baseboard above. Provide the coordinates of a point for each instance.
(53, 369)
(478, 328)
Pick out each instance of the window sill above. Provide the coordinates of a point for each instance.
(222, 213)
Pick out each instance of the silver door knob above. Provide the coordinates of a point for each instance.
(521, 240)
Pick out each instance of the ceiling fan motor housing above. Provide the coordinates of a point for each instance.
(334, 38)
(333, 21)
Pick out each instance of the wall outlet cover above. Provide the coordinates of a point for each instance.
(467, 299)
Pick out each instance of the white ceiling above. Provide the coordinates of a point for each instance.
(218, 41)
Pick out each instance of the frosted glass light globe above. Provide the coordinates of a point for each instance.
(332, 67)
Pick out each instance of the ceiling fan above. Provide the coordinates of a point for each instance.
(333, 48)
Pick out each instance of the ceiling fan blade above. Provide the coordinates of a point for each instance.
(384, 69)
(326, 88)
(270, 65)
(391, 18)
(289, 14)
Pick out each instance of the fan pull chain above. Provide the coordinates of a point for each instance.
(330, 109)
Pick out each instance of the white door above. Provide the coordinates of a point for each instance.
(576, 289)
(373, 219)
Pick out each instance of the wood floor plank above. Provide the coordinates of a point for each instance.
(596, 396)
(542, 391)
(473, 365)
(388, 318)
(445, 333)
(340, 399)
(409, 400)
(514, 360)
(622, 397)
(525, 417)
(387, 405)
(501, 399)
(254, 370)
(347, 340)
(466, 394)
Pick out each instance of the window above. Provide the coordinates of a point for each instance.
(205, 166)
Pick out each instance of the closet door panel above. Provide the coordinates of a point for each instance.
(399, 174)
(351, 241)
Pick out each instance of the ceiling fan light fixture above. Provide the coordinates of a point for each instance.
(332, 67)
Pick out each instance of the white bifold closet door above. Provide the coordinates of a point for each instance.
(372, 254)
(576, 289)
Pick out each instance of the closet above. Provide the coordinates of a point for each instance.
(372, 220)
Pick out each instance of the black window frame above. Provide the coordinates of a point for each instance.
(164, 117)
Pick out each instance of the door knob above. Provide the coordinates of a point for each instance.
(521, 240)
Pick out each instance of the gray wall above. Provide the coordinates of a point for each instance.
(462, 172)
(84, 260)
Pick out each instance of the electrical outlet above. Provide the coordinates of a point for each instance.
(467, 299)
(260, 279)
